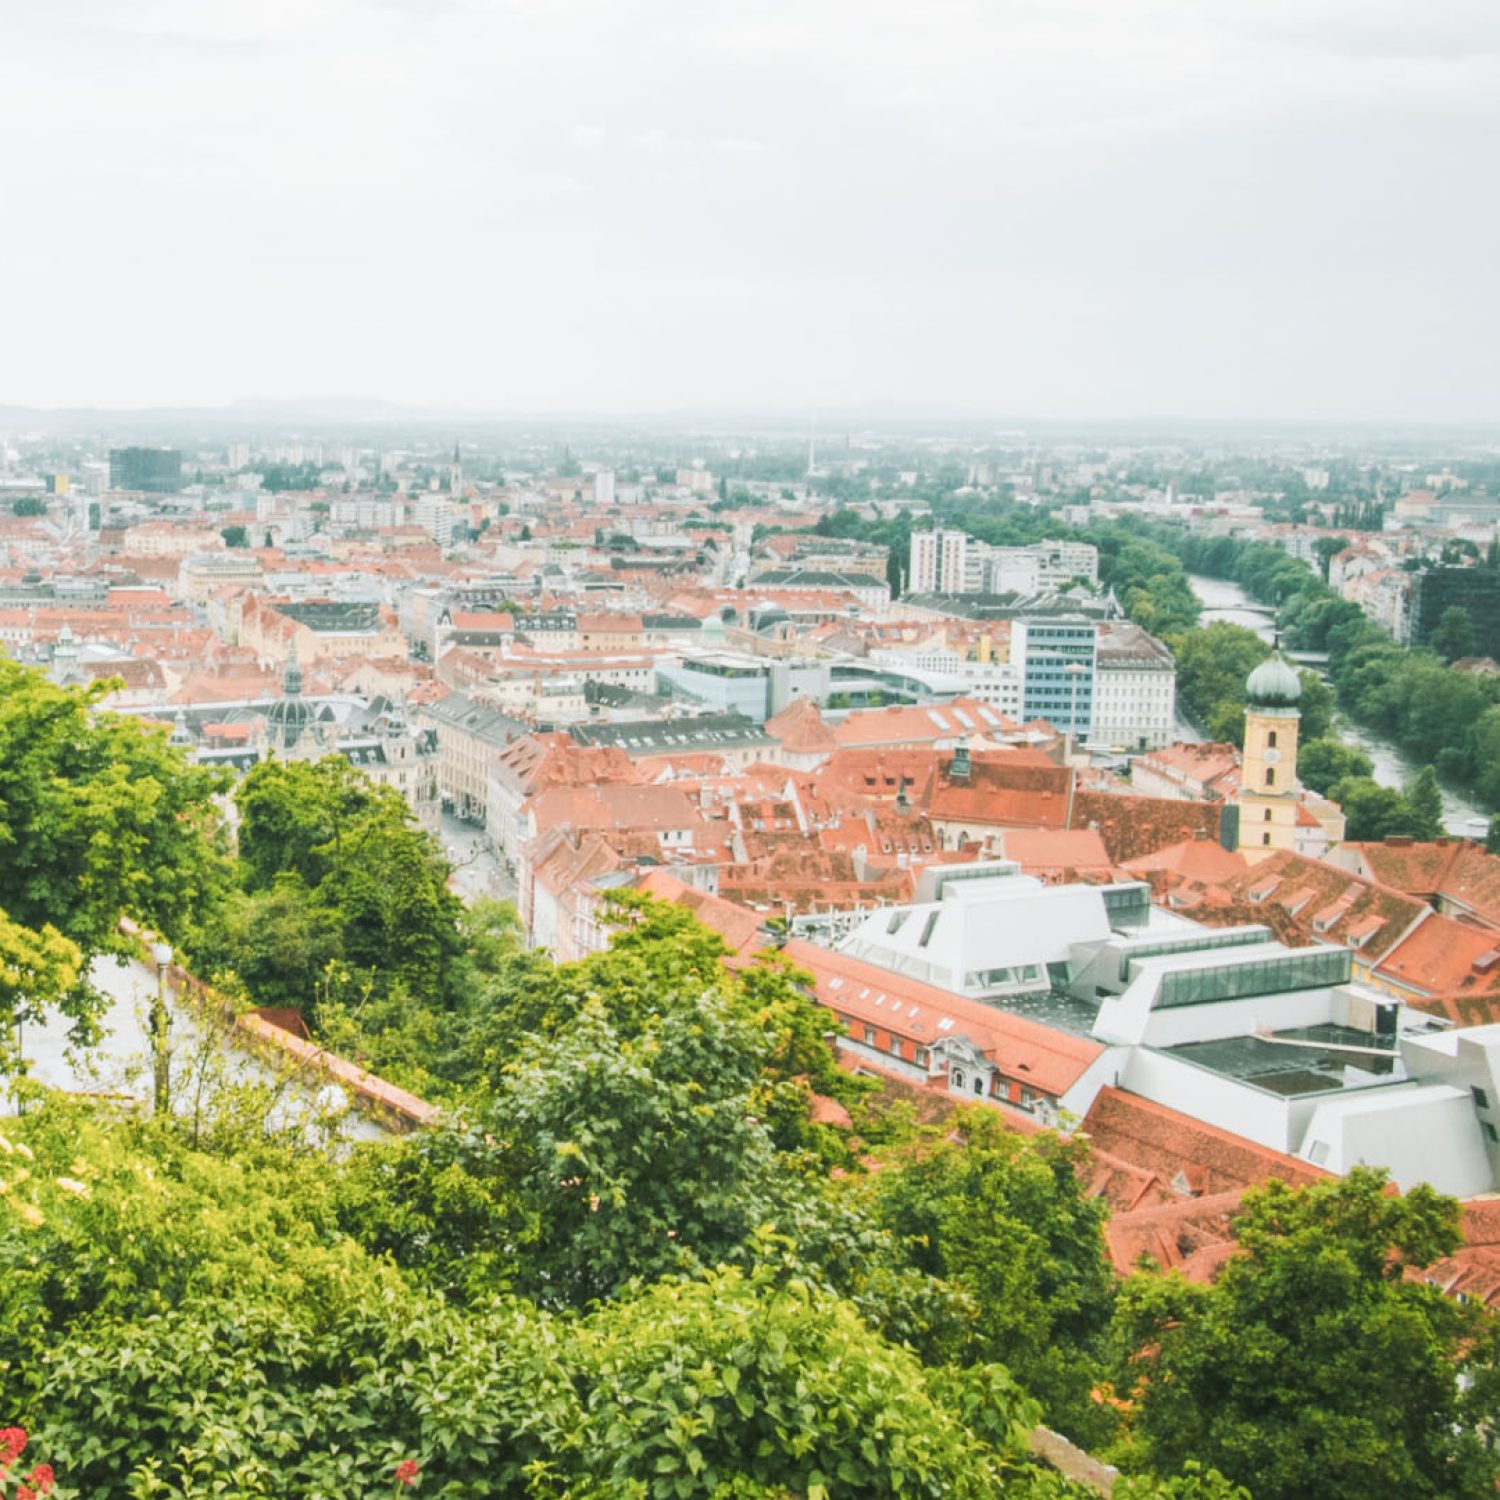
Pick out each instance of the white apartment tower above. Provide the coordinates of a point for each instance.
(939, 562)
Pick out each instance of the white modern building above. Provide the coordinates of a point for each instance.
(1001, 988)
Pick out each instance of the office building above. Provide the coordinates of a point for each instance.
(1059, 661)
(156, 471)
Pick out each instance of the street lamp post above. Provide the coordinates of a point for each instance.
(1074, 670)
(162, 953)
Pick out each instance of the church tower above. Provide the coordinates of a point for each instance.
(289, 720)
(456, 475)
(1269, 793)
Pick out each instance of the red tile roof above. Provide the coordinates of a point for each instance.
(800, 728)
(1189, 1234)
(1457, 871)
(1049, 1060)
(1058, 853)
(741, 928)
(1441, 956)
(1288, 885)
(1134, 827)
(898, 725)
(1473, 1271)
(1173, 1145)
(1193, 861)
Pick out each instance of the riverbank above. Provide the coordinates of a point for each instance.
(1223, 599)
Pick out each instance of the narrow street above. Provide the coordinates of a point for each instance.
(477, 871)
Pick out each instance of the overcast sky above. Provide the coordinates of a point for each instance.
(1072, 208)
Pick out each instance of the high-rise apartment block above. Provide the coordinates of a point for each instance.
(939, 562)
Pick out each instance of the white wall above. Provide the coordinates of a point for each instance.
(1213, 1098)
(1426, 1135)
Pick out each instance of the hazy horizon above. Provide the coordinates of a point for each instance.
(1250, 211)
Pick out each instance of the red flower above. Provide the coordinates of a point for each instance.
(12, 1441)
(25, 1492)
(43, 1478)
(407, 1471)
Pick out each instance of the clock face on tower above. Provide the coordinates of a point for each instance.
(1272, 757)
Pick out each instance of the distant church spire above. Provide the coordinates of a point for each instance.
(455, 473)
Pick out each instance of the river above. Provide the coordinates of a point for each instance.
(1223, 600)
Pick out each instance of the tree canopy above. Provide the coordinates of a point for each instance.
(99, 819)
(1314, 1365)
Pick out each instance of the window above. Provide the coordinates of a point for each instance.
(869, 1036)
(1271, 740)
(1318, 1153)
(1268, 815)
(957, 1078)
(1481, 1099)
(1270, 777)
(1490, 1133)
(921, 1058)
(1265, 838)
(978, 1084)
(895, 1046)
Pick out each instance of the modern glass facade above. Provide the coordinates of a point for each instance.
(1059, 658)
(154, 470)
(1260, 976)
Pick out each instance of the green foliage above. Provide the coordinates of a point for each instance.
(752, 1378)
(1323, 762)
(37, 969)
(278, 938)
(1212, 665)
(1316, 705)
(235, 536)
(1313, 1366)
(1439, 717)
(29, 505)
(1152, 585)
(276, 478)
(632, 1155)
(1003, 1217)
(341, 889)
(1454, 635)
(1424, 800)
(99, 819)
(173, 1323)
(1373, 812)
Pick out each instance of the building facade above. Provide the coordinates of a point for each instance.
(939, 563)
(1059, 662)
